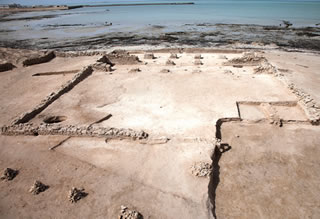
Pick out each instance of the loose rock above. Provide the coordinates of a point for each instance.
(149, 56)
(135, 70)
(126, 213)
(76, 194)
(173, 56)
(38, 187)
(201, 169)
(165, 71)
(9, 174)
(100, 66)
(105, 59)
(170, 62)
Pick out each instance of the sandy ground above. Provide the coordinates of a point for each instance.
(269, 170)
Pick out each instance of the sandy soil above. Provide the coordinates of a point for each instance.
(253, 130)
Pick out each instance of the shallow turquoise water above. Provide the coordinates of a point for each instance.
(301, 13)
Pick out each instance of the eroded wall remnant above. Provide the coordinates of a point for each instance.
(38, 59)
(27, 116)
(72, 130)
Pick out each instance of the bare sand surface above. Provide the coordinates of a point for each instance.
(247, 122)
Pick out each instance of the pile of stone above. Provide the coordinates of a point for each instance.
(248, 58)
(165, 71)
(126, 213)
(9, 174)
(38, 187)
(265, 68)
(121, 57)
(201, 169)
(76, 194)
(72, 130)
(100, 66)
(174, 56)
(170, 62)
(38, 59)
(198, 62)
(198, 57)
(149, 56)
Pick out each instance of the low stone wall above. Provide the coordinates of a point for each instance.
(119, 57)
(47, 57)
(72, 130)
(27, 116)
(82, 53)
(309, 104)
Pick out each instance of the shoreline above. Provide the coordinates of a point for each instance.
(217, 35)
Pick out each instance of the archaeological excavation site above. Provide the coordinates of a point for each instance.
(160, 133)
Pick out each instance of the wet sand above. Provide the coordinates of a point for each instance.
(212, 35)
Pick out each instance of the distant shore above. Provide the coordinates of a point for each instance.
(65, 7)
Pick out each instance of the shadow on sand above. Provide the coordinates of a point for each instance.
(215, 175)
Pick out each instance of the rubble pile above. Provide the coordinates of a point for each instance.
(201, 169)
(38, 187)
(149, 56)
(248, 58)
(122, 57)
(170, 62)
(173, 56)
(265, 68)
(76, 194)
(9, 174)
(126, 213)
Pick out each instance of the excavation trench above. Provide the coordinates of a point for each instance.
(219, 149)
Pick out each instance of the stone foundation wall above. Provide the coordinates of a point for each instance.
(72, 130)
(6, 66)
(27, 116)
(39, 59)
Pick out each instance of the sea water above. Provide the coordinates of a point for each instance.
(270, 12)
(91, 21)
